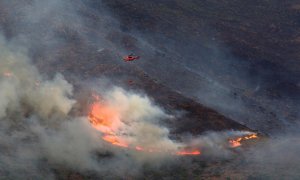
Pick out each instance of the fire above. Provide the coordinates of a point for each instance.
(252, 136)
(238, 141)
(106, 119)
(235, 143)
(114, 140)
(184, 153)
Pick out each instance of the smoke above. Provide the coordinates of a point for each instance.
(137, 121)
(38, 132)
(27, 99)
(215, 144)
(256, 91)
(270, 159)
(22, 86)
(36, 128)
(277, 157)
(40, 135)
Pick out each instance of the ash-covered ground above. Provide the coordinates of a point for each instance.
(208, 71)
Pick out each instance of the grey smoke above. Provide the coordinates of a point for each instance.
(39, 131)
(271, 159)
(38, 134)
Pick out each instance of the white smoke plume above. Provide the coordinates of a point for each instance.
(140, 119)
(38, 130)
(24, 98)
(38, 135)
(22, 87)
(137, 120)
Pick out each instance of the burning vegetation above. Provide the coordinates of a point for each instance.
(238, 141)
(106, 119)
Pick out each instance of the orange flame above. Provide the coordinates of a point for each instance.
(114, 140)
(185, 153)
(106, 120)
(238, 141)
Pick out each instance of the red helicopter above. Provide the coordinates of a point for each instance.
(130, 57)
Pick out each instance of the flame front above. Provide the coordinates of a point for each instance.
(106, 119)
(238, 141)
(114, 140)
(184, 153)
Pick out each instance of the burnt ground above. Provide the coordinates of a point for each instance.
(77, 57)
(249, 47)
(261, 39)
(261, 31)
(192, 117)
(248, 50)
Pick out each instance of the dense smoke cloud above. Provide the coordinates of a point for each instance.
(39, 134)
(35, 123)
(38, 130)
(140, 119)
(27, 99)
(24, 89)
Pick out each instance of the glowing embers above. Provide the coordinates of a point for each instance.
(238, 141)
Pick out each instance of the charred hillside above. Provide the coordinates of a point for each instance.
(214, 94)
(246, 51)
(213, 49)
(73, 50)
(192, 117)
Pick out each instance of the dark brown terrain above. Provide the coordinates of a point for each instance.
(79, 60)
(239, 58)
(248, 47)
(217, 64)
